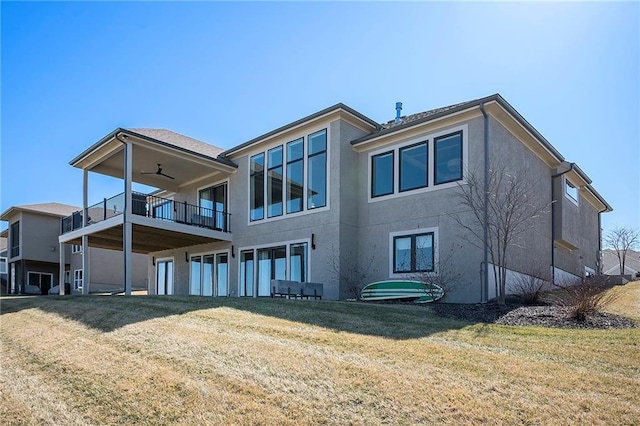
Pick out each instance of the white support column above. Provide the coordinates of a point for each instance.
(127, 229)
(85, 238)
(86, 272)
(62, 271)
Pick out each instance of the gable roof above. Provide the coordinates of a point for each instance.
(48, 209)
(164, 137)
(610, 261)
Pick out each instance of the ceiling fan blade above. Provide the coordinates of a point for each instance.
(165, 175)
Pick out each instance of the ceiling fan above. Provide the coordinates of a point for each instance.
(158, 172)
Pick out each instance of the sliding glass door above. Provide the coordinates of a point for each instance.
(164, 277)
(209, 275)
(272, 265)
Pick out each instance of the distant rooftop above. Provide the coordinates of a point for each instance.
(52, 209)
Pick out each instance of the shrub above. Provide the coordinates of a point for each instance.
(584, 299)
(530, 286)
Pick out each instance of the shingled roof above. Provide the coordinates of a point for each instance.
(50, 209)
(181, 141)
(406, 119)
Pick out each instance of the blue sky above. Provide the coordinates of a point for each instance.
(227, 72)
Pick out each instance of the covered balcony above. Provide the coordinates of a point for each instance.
(134, 221)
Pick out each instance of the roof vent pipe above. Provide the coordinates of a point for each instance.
(398, 111)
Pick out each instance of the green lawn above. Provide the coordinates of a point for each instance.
(190, 360)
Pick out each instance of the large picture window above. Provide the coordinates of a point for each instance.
(413, 166)
(256, 196)
(278, 176)
(274, 182)
(317, 177)
(382, 174)
(448, 158)
(295, 175)
(413, 253)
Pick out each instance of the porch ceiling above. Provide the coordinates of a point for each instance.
(145, 239)
(185, 166)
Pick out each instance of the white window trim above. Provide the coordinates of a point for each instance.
(75, 279)
(407, 233)
(39, 273)
(567, 183)
(287, 245)
(283, 142)
(431, 186)
(76, 248)
(215, 284)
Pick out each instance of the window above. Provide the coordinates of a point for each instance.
(413, 253)
(208, 275)
(67, 277)
(413, 166)
(257, 187)
(571, 191)
(212, 203)
(282, 182)
(3, 265)
(76, 249)
(295, 175)
(164, 277)
(382, 174)
(282, 262)
(41, 280)
(317, 170)
(77, 279)
(448, 158)
(246, 273)
(15, 239)
(406, 168)
(274, 182)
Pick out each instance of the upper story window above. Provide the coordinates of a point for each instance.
(15, 239)
(448, 158)
(406, 168)
(382, 174)
(571, 191)
(76, 249)
(278, 176)
(413, 166)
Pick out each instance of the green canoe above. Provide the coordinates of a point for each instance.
(417, 291)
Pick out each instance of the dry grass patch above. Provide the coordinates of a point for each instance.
(628, 301)
(189, 360)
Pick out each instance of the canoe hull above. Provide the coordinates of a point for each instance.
(417, 291)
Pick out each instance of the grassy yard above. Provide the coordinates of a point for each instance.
(190, 360)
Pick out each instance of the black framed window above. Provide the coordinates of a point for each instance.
(382, 174)
(570, 190)
(317, 169)
(448, 158)
(257, 187)
(295, 175)
(413, 166)
(15, 239)
(274, 182)
(413, 253)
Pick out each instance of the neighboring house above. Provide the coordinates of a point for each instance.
(3, 263)
(611, 264)
(330, 191)
(33, 259)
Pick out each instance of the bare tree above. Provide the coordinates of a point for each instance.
(531, 284)
(511, 209)
(353, 276)
(622, 239)
(444, 274)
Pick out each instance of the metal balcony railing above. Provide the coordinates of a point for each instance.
(151, 206)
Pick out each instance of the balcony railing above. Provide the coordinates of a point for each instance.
(151, 206)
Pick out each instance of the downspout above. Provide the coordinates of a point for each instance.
(484, 289)
(553, 222)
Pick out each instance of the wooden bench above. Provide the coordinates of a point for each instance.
(296, 290)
